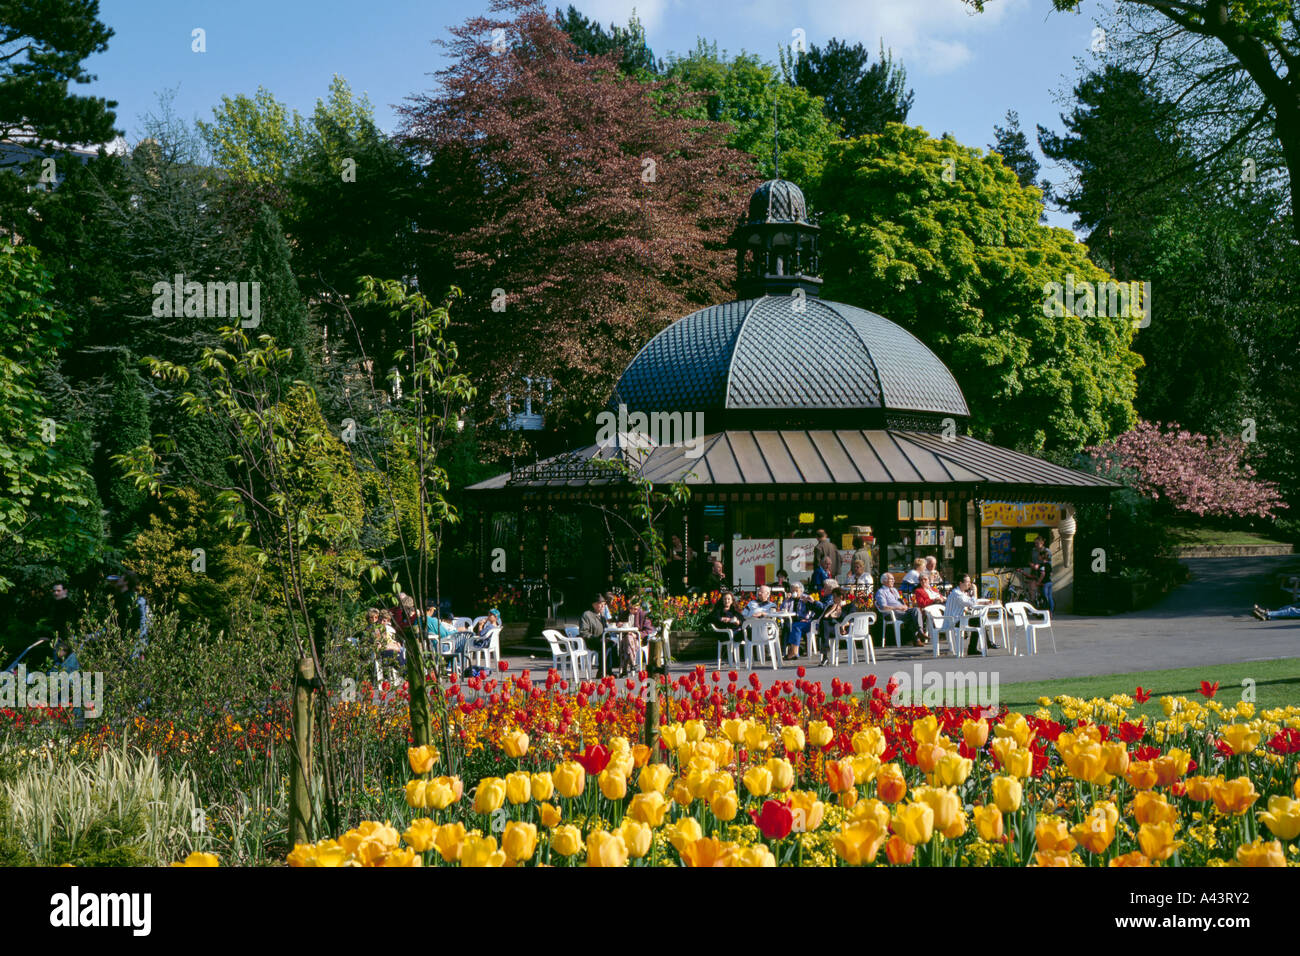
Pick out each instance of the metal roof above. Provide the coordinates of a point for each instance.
(878, 459)
(777, 200)
(786, 354)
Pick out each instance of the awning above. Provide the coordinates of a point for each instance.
(875, 460)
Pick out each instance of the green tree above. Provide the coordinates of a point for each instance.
(126, 427)
(859, 95)
(255, 138)
(42, 46)
(592, 39)
(1012, 145)
(743, 91)
(944, 240)
(48, 506)
(283, 315)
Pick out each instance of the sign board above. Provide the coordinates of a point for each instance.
(753, 561)
(1020, 514)
(797, 557)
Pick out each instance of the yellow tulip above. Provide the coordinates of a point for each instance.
(481, 851)
(1235, 797)
(442, 792)
(448, 841)
(859, 842)
(1282, 817)
(871, 810)
(957, 828)
(755, 856)
(720, 782)
(758, 781)
(654, 777)
(988, 823)
(542, 785)
(1152, 807)
(640, 754)
(518, 787)
(613, 784)
(684, 832)
(415, 793)
(1201, 788)
(1052, 858)
(725, 805)
(606, 849)
(870, 741)
(1020, 763)
(865, 767)
(324, 853)
(1115, 757)
(1003, 747)
(695, 730)
(199, 859)
(820, 733)
(489, 796)
(422, 758)
(1015, 727)
(1141, 775)
(570, 779)
(682, 794)
(1240, 738)
(1260, 853)
(698, 781)
(808, 810)
(519, 840)
(733, 729)
(636, 836)
(925, 730)
(1053, 835)
(566, 840)
(516, 743)
(975, 733)
(1007, 794)
(673, 735)
(550, 814)
(1134, 858)
(1157, 840)
(648, 808)
(782, 773)
(942, 801)
(928, 756)
(1097, 831)
(952, 770)
(419, 835)
(401, 858)
(1172, 765)
(757, 738)
(914, 823)
(792, 739)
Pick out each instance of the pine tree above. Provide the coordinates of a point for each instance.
(126, 427)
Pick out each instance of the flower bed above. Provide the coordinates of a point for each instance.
(792, 775)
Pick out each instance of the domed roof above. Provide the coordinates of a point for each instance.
(777, 200)
(782, 361)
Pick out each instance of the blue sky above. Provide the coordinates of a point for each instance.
(966, 70)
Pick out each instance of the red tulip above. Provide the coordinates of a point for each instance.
(594, 759)
(774, 821)
(1141, 696)
(1208, 690)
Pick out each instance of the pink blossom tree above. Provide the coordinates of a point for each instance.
(1195, 473)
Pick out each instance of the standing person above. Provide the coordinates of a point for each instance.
(132, 609)
(717, 579)
(825, 551)
(63, 612)
(804, 610)
(1043, 568)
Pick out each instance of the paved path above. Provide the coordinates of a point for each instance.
(1205, 621)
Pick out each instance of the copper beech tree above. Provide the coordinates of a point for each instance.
(579, 209)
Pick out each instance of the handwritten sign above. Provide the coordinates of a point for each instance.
(753, 561)
(1020, 514)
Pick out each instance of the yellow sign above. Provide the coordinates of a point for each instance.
(1020, 514)
(807, 517)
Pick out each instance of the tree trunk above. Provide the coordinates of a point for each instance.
(300, 773)
(652, 719)
(421, 728)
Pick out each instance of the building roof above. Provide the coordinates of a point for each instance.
(882, 459)
(785, 360)
(777, 200)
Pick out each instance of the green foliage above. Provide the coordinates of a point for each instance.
(742, 92)
(126, 427)
(44, 484)
(1014, 149)
(283, 315)
(255, 138)
(591, 38)
(859, 96)
(965, 265)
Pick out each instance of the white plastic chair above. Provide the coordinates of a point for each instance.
(463, 623)
(993, 621)
(477, 621)
(891, 617)
(488, 656)
(762, 634)
(728, 638)
(855, 629)
(565, 651)
(1031, 620)
(938, 629)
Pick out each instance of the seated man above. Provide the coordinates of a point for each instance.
(440, 628)
(1281, 614)
(804, 610)
(761, 605)
(961, 601)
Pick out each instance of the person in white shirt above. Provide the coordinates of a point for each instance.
(860, 577)
(762, 603)
(912, 577)
(961, 600)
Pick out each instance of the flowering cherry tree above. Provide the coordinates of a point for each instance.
(1196, 473)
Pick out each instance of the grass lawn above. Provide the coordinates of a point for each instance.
(1189, 535)
(1276, 684)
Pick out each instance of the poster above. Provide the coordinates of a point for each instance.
(1019, 514)
(753, 561)
(797, 557)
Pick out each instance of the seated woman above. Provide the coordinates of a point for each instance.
(859, 577)
(804, 610)
(912, 577)
(836, 610)
(385, 635)
(726, 615)
(925, 595)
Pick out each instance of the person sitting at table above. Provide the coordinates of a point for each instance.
(490, 620)
(762, 604)
(962, 599)
(911, 578)
(835, 611)
(860, 577)
(926, 594)
(820, 576)
(726, 616)
(440, 628)
(804, 610)
(888, 599)
(592, 624)
(629, 644)
(932, 569)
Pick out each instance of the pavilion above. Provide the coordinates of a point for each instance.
(816, 414)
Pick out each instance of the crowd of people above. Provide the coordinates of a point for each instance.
(389, 628)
